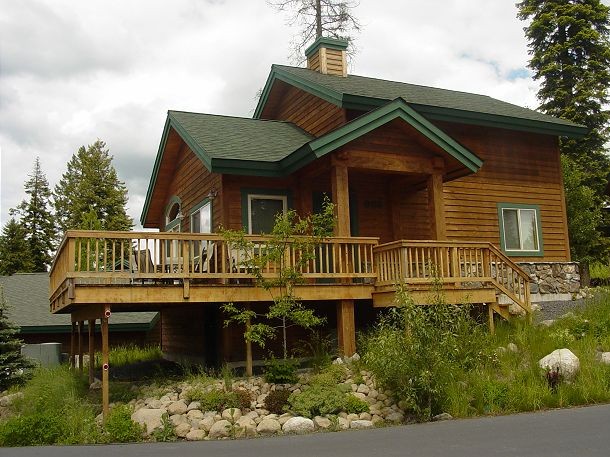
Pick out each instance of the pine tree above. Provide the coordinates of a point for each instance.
(37, 219)
(570, 49)
(568, 41)
(91, 184)
(13, 365)
(14, 249)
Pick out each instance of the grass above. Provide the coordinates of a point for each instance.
(120, 356)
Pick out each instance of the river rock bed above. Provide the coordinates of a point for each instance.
(191, 422)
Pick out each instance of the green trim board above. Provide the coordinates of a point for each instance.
(520, 253)
(327, 42)
(362, 93)
(246, 191)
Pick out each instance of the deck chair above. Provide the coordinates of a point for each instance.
(205, 257)
(141, 262)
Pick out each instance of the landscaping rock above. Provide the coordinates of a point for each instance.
(322, 422)
(150, 418)
(284, 417)
(361, 424)
(177, 419)
(547, 322)
(195, 435)
(246, 427)
(7, 400)
(363, 389)
(563, 360)
(181, 430)
(298, 425)
(177, 407)
(268, 426)
(96, 384)
(365, 416)
(154, 403)
(343, 423)
(220, 429)
(193, 405)
(605, 358)
(194, 414)
(338, 361)
(512, 347)
(395, 417)
(206, 423)
(442, 417)
(231, 414)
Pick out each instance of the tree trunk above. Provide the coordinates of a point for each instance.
(318, 19)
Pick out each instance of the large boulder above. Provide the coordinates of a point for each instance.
(361, 424)
(177, 407)
(269, 426)
(562, 360)
(298, 425)
(150, 418)
(220, 429)
(231, 414)
(195, 435)
(245, 426)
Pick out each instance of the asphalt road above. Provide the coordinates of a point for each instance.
(581, 432)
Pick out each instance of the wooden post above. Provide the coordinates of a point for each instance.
(91, 334)
(436, 206)
(492, 326)
(72, 344)
(80, 347)
(340, 194)
(346, 327)
(105, 365)
(248, 347)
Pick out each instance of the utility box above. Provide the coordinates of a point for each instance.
(44, 354)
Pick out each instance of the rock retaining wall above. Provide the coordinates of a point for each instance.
(552, 278)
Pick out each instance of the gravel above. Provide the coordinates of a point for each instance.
(556, 309)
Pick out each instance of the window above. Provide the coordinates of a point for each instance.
(201, 218)
(262, 210)
(173, 215)
(520, 232)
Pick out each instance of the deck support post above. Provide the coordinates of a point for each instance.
(72, 344)
(105, 365)
(80, 347)
(91, 339)
(492, 325)
(346, 327)
(248, 347)
(436, 206)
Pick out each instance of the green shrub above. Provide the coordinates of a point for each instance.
(30, 430)
(214, 400)
(119, 427)
(281, 371)
(355, 405)
(244, 398)
(329, 376)
(165, 433)
(276, 400)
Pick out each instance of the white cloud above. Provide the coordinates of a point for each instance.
(72, 72)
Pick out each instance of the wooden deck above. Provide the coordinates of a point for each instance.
(148, 270)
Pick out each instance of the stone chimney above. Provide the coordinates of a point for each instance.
(327, 55)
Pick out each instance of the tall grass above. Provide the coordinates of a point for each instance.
(128, 354)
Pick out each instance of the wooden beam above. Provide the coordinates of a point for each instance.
(340, 193)
(83, 313)
(426, 297)
(80, 346)
(105, 366)
(91, 335)
(389, 162)
(346, 327)
(436, 207)
(490, 310)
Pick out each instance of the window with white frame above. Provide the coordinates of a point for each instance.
(520, 230)
(201, 218)
(262, 211)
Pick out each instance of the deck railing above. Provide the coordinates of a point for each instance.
(134, 257)
(459, 264)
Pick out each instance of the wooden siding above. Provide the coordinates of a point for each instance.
(192, 182)
(309, 112)
(182, 332)
(518, 168)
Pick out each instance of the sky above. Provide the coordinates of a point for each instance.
(74, 71)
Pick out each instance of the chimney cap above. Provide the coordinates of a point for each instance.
(326, 42)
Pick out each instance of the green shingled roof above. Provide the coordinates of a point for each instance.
(238, 138)
(27, 297)
(364, 93)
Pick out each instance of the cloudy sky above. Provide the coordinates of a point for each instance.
(73, 71)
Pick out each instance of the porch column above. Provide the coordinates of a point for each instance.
(105, 364)
(340, 190)
(72, 344)
(91, 335)
(346, 327)
(436, 206)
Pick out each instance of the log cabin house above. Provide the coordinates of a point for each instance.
(420, 177)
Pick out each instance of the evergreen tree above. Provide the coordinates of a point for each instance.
(570, 49)
(37, 219)
(91, 184)
(13, 365)
(14, 249)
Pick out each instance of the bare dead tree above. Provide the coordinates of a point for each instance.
(316, 18)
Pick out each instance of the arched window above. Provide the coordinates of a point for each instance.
(173, 215)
